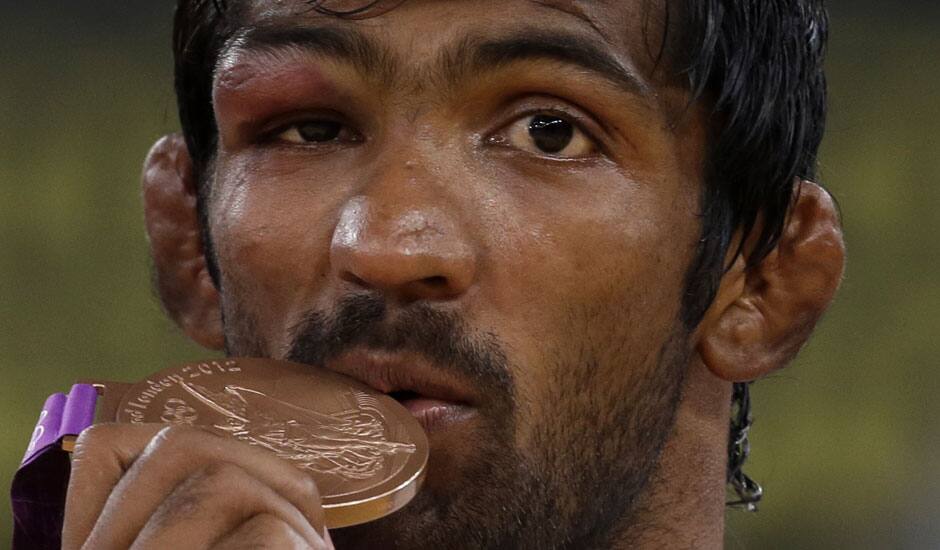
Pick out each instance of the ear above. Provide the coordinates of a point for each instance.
(181, 277)
(763, 315)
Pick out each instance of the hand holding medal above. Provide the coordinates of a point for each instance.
(247, 437)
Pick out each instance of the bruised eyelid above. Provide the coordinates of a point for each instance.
(248, 97)
(240, 66)
(264, 84)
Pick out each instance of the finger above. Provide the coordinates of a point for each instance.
(266, 531)
(176, 453)
(102, 455)
(213, 503)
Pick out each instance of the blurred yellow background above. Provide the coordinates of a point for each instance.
(846, 441)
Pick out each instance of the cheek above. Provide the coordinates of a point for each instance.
(272, 250)
(594, 284)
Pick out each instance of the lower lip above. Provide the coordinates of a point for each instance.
(436, 415)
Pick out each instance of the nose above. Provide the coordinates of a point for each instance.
(397, 241)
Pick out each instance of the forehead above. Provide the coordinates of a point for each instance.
(625, 28)
(363, 9)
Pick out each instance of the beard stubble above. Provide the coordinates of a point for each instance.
(584, 470)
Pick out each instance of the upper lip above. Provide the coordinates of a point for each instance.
(389, 372)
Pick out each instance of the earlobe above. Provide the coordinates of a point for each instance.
(764, 314)
(181, 276)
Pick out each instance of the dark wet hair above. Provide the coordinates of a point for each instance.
(758, 65)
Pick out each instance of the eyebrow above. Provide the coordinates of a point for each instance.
(563, 47)
(469, 56)
(337, 42)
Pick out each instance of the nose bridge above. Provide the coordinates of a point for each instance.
(404, 236)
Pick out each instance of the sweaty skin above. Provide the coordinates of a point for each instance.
(383, 203)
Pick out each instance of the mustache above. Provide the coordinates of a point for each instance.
(361, 320)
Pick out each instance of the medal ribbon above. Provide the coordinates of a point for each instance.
(40, 484)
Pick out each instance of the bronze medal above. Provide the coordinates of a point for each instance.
(366, 452)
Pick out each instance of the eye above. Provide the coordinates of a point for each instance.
(550, 135)
(315, 131)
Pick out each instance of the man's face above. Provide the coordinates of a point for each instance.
(481, 203)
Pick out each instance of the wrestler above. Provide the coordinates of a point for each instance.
(563, 233)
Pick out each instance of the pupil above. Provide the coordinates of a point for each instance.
(550, 133)
(321, 130)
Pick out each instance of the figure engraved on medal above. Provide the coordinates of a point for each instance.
(366, 452)
(352, 444)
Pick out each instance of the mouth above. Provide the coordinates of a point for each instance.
(438, 400)
(432, 413)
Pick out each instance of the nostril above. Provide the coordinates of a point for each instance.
(435, 282)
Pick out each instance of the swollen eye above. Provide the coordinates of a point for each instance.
(313, 131)
(551, 135)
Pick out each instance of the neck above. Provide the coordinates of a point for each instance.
(685, 503)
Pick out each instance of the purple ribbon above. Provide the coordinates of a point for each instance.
(40, 485)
